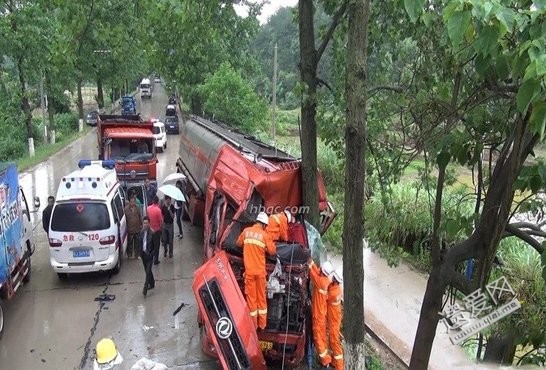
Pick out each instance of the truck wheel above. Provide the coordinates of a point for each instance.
(117, 268)
(62, 275)
(165, 145)
(26, 279)
(1, 318)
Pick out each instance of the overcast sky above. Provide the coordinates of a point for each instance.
(268, 9)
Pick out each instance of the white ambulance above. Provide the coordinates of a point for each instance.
(88, 230)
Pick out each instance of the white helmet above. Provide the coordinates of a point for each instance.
(338, 275)
(288, 215)
(263, 218)
(327, 268)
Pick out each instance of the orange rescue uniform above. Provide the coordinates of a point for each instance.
(334, 316)
(278, 227)
(318, 311)
(255, 241)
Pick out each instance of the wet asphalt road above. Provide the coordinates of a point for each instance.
(54, 324)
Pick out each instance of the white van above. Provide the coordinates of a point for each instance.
(160, 136)
(88, 230)
(145, 88)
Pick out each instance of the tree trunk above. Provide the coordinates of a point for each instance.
(428, 319)
(308, 69)
(196, 105)
(100, 94)
(355, 171)
(80, 106)
(25, 106)
(500, 349)
(483, 243)
(50, 109)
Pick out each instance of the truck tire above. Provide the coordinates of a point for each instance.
(1, 318)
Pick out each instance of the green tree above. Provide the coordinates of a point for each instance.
(191, 39)
(493, 52)
(231, 99)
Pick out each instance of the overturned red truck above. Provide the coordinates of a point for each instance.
(230, 178)
(129, 141)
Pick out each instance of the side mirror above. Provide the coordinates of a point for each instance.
(36, 202)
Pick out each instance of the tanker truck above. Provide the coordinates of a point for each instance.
(230, 178)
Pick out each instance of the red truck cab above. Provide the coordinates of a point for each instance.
(129, 141)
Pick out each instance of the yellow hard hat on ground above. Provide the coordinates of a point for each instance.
(107, 354)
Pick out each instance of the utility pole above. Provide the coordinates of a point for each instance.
(274, 96)
(42, 105)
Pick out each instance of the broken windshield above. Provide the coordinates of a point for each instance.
(131, 150)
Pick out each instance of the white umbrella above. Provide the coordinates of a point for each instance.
(173, 178)
(172, 191)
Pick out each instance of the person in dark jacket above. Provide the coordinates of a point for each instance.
(168, 212)
(151, 191)
(179, 208)
(46, 214)
(147, 251)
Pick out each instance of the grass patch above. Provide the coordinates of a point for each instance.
(44, 151)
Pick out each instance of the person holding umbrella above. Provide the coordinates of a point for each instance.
(179, 208)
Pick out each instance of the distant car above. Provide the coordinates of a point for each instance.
(92, 117)
(160, 136)
(170, 110)
(128, 105)
(157, 80)
(171, 125)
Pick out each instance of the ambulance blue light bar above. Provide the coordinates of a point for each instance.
(109, 163)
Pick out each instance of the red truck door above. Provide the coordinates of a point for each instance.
(226, 315)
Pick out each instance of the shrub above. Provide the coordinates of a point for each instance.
(401, 218)
(231, 99)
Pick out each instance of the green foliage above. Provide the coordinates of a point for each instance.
(523, 269)
(400, 219)
(191, 39)
(231, 99)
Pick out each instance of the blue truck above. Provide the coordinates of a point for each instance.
(16, 240)
(128, 105)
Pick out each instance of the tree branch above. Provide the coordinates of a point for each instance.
(324, 83)
(328, 35)
(460, 282)
(397, 89)
(521, 234)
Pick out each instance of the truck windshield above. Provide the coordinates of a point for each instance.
(156, 130)
(131, 149)
(71, 217)
(144, 86)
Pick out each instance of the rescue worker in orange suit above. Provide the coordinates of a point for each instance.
(321, 280)
(278, 226)
(334, 315)
(255, 242)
